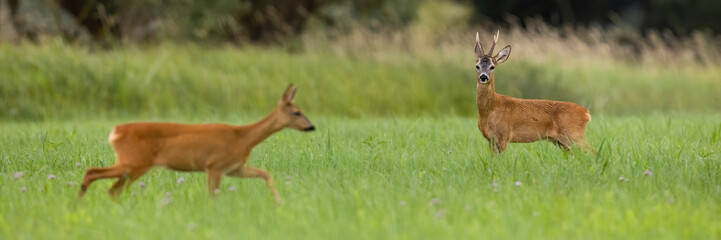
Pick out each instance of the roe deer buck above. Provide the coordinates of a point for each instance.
(503, 119)
(216, 149)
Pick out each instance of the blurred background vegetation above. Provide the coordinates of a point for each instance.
(160, 58)
(241, 21)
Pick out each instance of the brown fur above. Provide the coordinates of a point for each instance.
(503, 119)
(216, 149)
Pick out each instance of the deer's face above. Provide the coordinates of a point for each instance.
(484, 69)
(485, 63)
(291, 115)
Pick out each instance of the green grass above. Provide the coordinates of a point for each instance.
(348, 180)
(396, 131)
(56, 81)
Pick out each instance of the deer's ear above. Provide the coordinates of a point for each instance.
(479, 47)
(503, 55)
(289, 93)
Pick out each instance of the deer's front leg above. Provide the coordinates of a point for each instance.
(491, 145)
(501, 138)
(501, 145)
(498, 137)
(213, 181)
(249, 172)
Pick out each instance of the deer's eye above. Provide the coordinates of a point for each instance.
(492, 67)
(296, 113)
(478, 67)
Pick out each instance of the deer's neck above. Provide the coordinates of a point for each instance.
(485, 97)
(259, 131)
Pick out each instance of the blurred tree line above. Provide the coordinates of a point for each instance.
(268, 20)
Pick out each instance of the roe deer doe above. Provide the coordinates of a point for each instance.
(216, 149)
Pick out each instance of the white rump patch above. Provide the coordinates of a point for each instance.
(113, 136)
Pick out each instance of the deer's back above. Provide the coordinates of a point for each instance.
(529, 119)
(150, 134)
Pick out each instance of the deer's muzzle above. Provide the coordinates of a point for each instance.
(483, 78)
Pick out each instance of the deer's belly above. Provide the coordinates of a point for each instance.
(183, 159)
(190, 153)
(532, 131)
(181, 163)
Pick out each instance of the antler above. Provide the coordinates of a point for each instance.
(479, 45)
(495, 39)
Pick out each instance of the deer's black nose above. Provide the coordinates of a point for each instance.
(484, 78)
(309, 129)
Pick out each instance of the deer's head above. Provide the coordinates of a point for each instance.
(486, 62)
(290, 115)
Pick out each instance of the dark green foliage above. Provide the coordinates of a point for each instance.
(272, 21)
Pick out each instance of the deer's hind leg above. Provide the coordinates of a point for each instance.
(94, 174)
(133, 175)
(136, 162)
(581, 142)
(562, 144)
(117, 187)
(566, 141)
(585, 146)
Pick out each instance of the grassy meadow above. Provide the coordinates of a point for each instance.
(397, 154)
(405, 178)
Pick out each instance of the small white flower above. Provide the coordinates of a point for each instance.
(192, 226)
(494, 184)
(78, 164)
(70, 184)
(23, 189)
(620, 179)
(232, 188)
(518, 183)
(167, 199)
(51, 176)
(142, 184)
(441, 213)
(648, 173)
(180, 180)
(216, 191)
(435, 201)
(18, 175)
